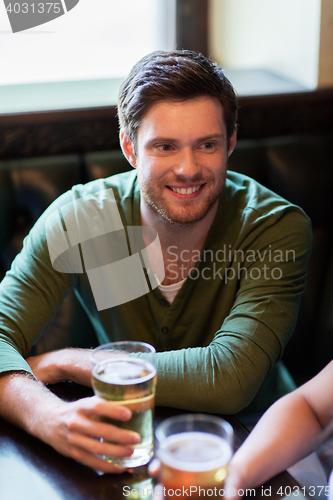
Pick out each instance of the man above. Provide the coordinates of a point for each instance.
(234, 256)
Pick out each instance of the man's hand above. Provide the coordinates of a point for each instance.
(45, 367)
(65, 364)
(76, 432)
(73, 429)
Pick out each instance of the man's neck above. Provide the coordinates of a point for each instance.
(181, 243)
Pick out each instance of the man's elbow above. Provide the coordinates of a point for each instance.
(231, 400)
(231, 405)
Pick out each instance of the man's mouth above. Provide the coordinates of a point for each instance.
(183, 190)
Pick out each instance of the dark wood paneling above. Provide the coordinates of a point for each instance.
(286, 114)
(62, 132)
(79, 131)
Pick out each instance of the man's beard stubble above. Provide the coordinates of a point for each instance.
(164, 211)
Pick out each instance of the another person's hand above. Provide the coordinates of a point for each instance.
(76, 431)
(234, 484)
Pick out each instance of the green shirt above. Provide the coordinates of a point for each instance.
(229, 322)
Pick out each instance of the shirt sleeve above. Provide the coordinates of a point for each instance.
(30, 295)
(225, 376)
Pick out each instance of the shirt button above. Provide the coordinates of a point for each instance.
(165, 330)
(164, 302)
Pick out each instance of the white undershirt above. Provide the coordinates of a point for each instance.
(170, 291)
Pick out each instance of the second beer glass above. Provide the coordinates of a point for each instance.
(194, 451)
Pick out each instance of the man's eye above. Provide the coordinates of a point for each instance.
(208, 145)
(164, 147)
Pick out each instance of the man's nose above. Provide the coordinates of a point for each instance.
(187, 164)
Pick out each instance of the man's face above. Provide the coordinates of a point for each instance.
(181, 158)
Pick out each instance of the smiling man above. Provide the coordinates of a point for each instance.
(181, 159)
(181, 164)
(234, 257)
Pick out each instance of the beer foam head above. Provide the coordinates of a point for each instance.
(122, 371)
(195, 451)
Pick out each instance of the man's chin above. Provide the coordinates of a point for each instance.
(183, 217)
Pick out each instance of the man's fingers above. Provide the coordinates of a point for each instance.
(103, 408)
(83, 436)
(87, 421)
(114, 434)
(96, 462)
(99, 447)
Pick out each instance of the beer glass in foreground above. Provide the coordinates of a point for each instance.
(126, 375)
(194, 451)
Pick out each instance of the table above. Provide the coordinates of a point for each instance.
(32, 470)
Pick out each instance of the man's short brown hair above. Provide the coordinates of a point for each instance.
(176, 75)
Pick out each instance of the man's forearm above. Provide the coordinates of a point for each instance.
(23, 400)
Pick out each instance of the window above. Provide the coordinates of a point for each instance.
(96, 40)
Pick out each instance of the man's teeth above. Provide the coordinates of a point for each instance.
(186, 190)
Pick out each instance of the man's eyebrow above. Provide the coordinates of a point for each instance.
(161, 139)
(211, 136)
(200, 139)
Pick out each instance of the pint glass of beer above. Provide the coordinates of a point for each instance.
(124, 373)
(194, 451)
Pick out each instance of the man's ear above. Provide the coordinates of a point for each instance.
(232, 142)
(127, 148)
